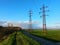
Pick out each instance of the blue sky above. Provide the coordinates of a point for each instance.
(17, 10)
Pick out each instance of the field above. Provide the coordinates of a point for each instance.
(52, 35)
(19, 38)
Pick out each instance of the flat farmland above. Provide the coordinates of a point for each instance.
(52, 35)
(33, 37)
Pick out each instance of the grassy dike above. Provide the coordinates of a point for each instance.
(18, 39)
(27, 40)
(8, 40)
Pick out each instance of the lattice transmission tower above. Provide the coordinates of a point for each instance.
(43, 9)
(30, 19)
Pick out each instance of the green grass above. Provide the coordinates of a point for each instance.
(27, 40)
(8, 40)
(53, 35)
(21, 39)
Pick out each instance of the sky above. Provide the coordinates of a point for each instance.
(18, 11)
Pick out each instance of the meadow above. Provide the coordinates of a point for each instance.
(52, 35)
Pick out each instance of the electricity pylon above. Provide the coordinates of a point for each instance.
(43, 8)
(30, 19)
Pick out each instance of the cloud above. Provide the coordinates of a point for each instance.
(35, 24)
(2, 23)
(24, 24)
